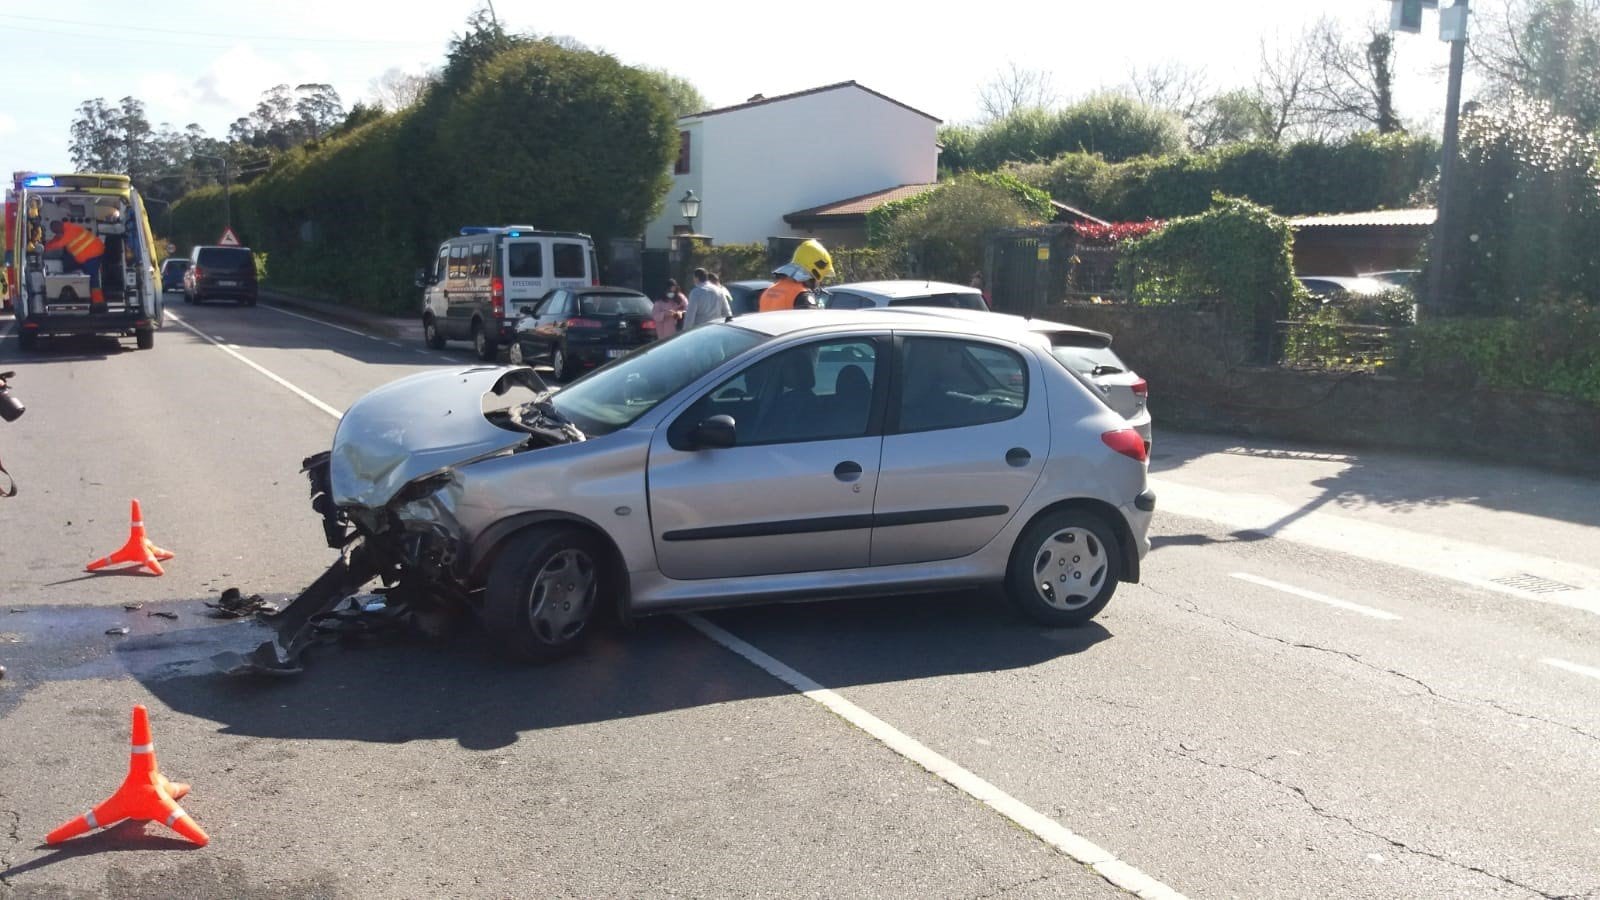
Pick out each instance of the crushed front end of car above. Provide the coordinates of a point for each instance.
(386, 493)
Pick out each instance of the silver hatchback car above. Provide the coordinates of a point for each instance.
(776, 457)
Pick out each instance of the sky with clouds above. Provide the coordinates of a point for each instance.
(208, 62)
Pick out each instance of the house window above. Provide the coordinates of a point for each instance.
(682, 168)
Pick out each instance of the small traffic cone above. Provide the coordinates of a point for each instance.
(146, 795)
(138, 549)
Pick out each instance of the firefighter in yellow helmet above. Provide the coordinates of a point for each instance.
(797, 279)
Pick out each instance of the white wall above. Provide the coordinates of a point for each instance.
(751, 166)
(659, 231)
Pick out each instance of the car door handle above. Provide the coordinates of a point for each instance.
(1018, 457)
(847, 471)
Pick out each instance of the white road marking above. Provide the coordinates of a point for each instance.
(321, 322)
(1467, 563)
(1573, 667)
(1313, 595)
(1046, 829)
(228, 349)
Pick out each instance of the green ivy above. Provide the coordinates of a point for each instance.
(1554, 349)
(1236, 252)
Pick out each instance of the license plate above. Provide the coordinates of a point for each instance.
(228, 284)
(616, 354)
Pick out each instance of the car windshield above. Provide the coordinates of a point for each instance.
(614, 304)
(615, 395)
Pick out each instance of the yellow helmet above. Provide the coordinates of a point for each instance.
(810, 260)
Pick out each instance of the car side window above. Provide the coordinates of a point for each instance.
(441, 266)
(525, 259)
(458, 262)
(816, 392)
(954, 383)
(555, 305)
(567, 259)
(479, 267)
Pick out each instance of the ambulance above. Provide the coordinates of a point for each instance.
(80, 258)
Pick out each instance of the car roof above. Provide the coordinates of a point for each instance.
(956, 321)
(904, 288)
(602, 289)
(750, 283)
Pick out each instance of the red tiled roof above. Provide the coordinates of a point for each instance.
(1383, 218)
(858, 207)
(815, 90)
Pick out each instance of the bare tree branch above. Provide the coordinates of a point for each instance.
(1015, 88)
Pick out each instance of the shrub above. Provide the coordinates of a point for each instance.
(1034, 202)
(1112, 126)
(1361, 173)
(733, 262)
(944, 231)
(1553, 348)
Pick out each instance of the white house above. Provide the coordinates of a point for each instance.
(754, 163)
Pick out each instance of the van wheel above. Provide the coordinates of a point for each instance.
(543, 593)
(144, 338)
(481, 344)
(431, 334)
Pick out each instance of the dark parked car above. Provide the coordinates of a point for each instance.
(220, 273)
(747, 294)
(172, 272)
(576, 329)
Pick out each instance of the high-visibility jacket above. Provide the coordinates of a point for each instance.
(786, 293)
(79, 241)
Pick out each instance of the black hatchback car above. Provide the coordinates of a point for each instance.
(220, 273)
(576, 329)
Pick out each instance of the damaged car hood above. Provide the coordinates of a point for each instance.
(419, 425)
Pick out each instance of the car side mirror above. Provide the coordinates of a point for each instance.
(424, 278)
(526, 310)
(715, 433)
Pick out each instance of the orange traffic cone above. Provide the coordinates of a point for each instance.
(146, 794)
(138, 549)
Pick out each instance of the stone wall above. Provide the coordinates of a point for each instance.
(1199, 380)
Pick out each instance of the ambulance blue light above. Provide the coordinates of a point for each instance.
(39, 181)
(513, 234)
(475, 229)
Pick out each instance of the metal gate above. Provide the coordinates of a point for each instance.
(655, 267)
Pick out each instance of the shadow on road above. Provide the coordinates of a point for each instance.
(123, 837)
(1353, 479)
(463, 690)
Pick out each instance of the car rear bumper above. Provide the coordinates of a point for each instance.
(237, 291)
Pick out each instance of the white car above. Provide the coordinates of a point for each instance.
(873, 294)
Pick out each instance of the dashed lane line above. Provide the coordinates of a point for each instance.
(1314, 596)
(1102, 861)
(353, 331)
(1590, 671)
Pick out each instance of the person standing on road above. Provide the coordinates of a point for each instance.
(716, 282)
(668, 311)
(797, 278)
(706, 303)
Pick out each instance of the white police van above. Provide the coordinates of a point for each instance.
(481, 279)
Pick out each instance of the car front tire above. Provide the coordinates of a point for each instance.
(543, 593)
(431, 335)
(1064, 568)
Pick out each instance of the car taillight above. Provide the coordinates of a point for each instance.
(497, 296)
(1141, 388)
(584, 323)
(1127, 442)
(198, 271)
(647, 325)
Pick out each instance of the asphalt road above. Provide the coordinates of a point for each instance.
(1334, 681)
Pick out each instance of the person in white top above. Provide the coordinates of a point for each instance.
(706, 303)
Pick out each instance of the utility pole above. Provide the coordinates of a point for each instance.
(227, 184)
(1442, 282)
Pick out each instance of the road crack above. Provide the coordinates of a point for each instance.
(1359, 660)
(1008, 888)
(1402, 846)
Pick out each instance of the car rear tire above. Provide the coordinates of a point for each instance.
(543, 593)
(144, 338)
(431, 335)
(514, 354)
(560, 363)
(1064, 568)
(481, 343)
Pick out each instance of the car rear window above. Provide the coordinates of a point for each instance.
(226, 259)
(525, 260)
(946, 301)
(1086, 355)
(614, 305)
(568, 259)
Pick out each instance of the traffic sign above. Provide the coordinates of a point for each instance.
(228, 239)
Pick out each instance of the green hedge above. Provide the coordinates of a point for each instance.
(1555, 349)
(1035, 203)
(732, 262)
(1365, 172)
(1109, 125)
(536, 134)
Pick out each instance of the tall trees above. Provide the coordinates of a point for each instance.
(1015, 89)
(1547, 50)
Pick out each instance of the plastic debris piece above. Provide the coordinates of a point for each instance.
(234, 605)
(119, 630)
(162, 614)
(130, 607)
